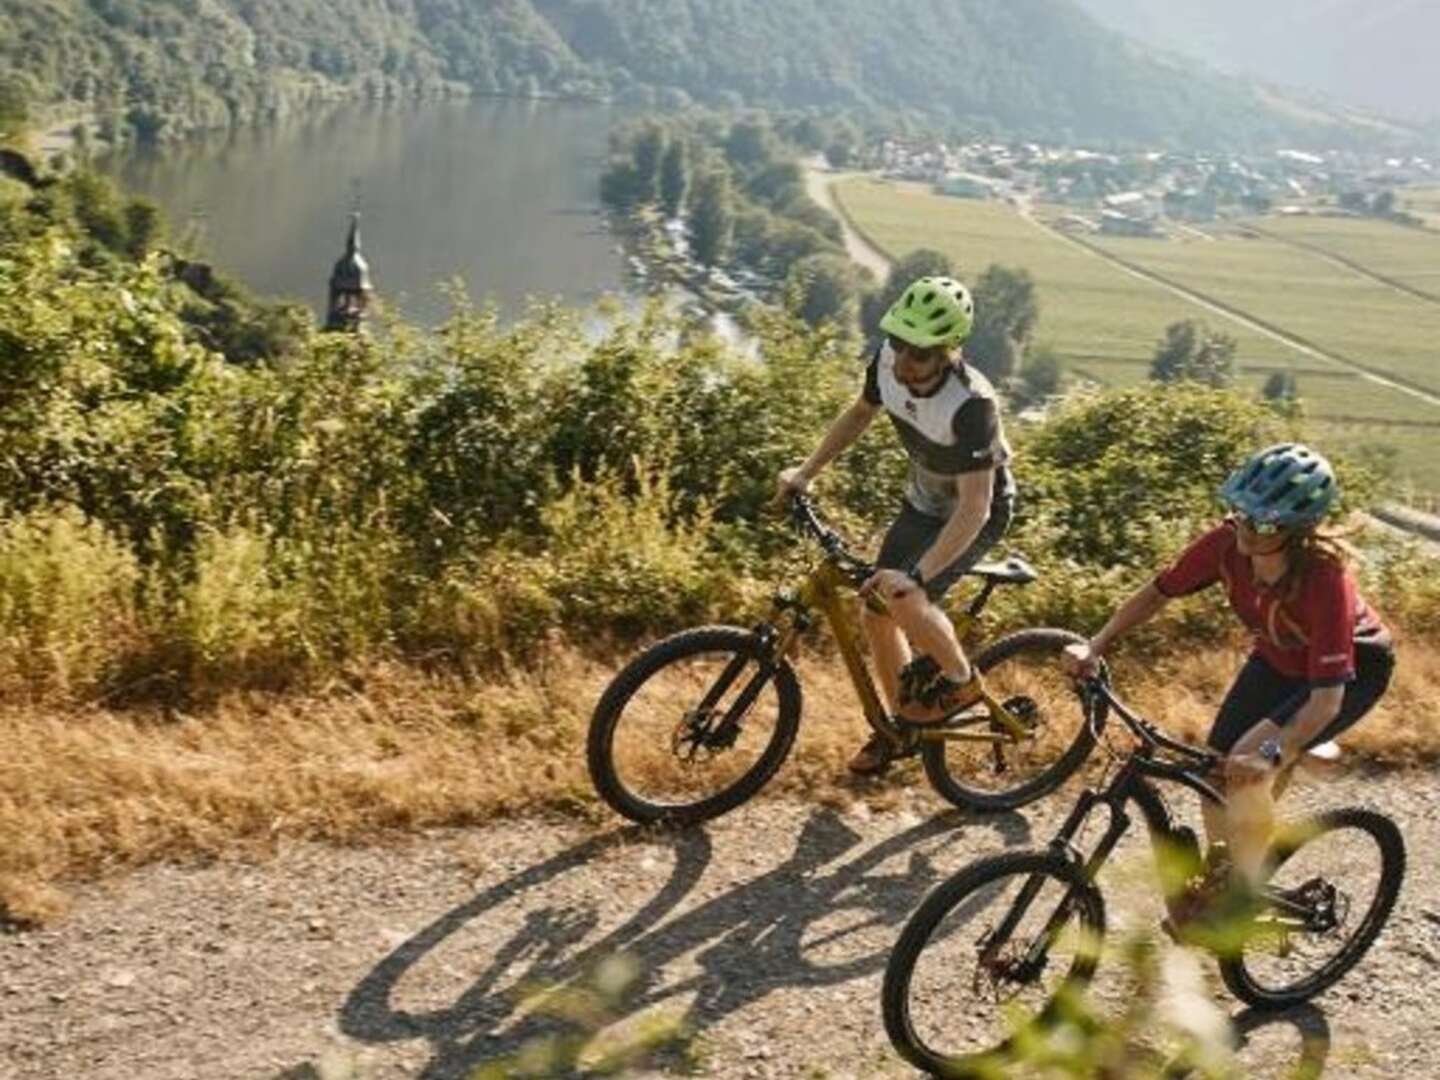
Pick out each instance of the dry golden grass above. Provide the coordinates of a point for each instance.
(85, 792)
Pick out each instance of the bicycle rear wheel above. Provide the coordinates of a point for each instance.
(1334, 882)
(1023, 670)
(693, 726)
(996, 953)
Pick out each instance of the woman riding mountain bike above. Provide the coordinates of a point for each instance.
(1321, 659)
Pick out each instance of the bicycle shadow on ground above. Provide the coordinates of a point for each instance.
(798, 925)
(1311, 1027)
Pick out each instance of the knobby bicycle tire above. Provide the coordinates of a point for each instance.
(955, 790)
(1233, 970)
(678, 647)
(895, 991)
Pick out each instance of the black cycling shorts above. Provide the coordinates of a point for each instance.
(912, 533)
(1262, 693)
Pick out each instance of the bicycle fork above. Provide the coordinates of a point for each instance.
(1037, 952)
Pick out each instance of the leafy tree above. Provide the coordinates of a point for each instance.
(712, 222)
(621, 186)
(14, 108)
(649, 152)
(823, 288)
(751, 144)
(674, 177)
(840, 154)
(143, 224)
(1006, 312)
(1282, 391)
(1040, 377)
(1280, 386)
(1192, 352)
(1104, 470)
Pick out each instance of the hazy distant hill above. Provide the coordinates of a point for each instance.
(1377, 53)
(1038, 67)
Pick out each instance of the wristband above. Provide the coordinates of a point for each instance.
(914, 575)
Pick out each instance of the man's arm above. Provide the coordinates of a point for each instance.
(975, 490)
(844, 430)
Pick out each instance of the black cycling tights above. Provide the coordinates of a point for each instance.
(1261, 693)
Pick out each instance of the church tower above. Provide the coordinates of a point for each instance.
(350, 287)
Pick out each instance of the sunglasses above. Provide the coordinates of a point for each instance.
(933, 353)
(1254, 525)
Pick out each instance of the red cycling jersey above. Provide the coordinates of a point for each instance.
(1304, 631)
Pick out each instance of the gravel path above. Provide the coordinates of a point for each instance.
(769, 931)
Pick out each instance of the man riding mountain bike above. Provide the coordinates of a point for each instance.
(958, 500)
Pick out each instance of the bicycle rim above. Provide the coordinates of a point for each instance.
(956, 995)
(1023, 671)
(1335, 882)
(669, 741)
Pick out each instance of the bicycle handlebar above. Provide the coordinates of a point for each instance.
(1095, 691)
(802, 512)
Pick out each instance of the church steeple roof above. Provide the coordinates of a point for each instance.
(352, 272)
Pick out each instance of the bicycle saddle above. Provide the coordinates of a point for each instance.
(1014, 571)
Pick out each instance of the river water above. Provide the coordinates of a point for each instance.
(499, 193)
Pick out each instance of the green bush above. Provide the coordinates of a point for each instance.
(471, 492)
(68, 600)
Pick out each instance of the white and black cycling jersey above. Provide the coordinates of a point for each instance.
(952, 430)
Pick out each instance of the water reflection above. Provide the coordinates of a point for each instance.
(499, 193)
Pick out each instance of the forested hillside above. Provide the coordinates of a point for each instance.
(1035, 67)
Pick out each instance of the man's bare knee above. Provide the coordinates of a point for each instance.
(877, 619)
(907, 610)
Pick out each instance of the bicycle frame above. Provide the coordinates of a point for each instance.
(827, 590)
(1130, 784)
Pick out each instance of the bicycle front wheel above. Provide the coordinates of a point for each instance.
(693, 726)
(996, 954)
(1024, 671)
(1334, 882)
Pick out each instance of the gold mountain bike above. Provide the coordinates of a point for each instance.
(700, 721)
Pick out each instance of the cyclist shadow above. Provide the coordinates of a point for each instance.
(1310, 1024)
(802, 924)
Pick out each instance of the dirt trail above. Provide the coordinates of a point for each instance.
(819, 184)
(769, 931)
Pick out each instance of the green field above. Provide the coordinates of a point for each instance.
(1105, 321)
(1329, 306)
(1422, 202)
(1403, 254)
(1087, 307)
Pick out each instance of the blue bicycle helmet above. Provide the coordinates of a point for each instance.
(1286, 485)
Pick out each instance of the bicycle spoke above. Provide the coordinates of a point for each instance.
(1324, 902)
(694, 728)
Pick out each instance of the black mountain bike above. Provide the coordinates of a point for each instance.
(700, 721)
(993, 954)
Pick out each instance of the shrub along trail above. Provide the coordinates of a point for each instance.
(767, 931)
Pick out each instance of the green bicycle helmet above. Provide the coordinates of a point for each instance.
(931, 311)
(1286, 485)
